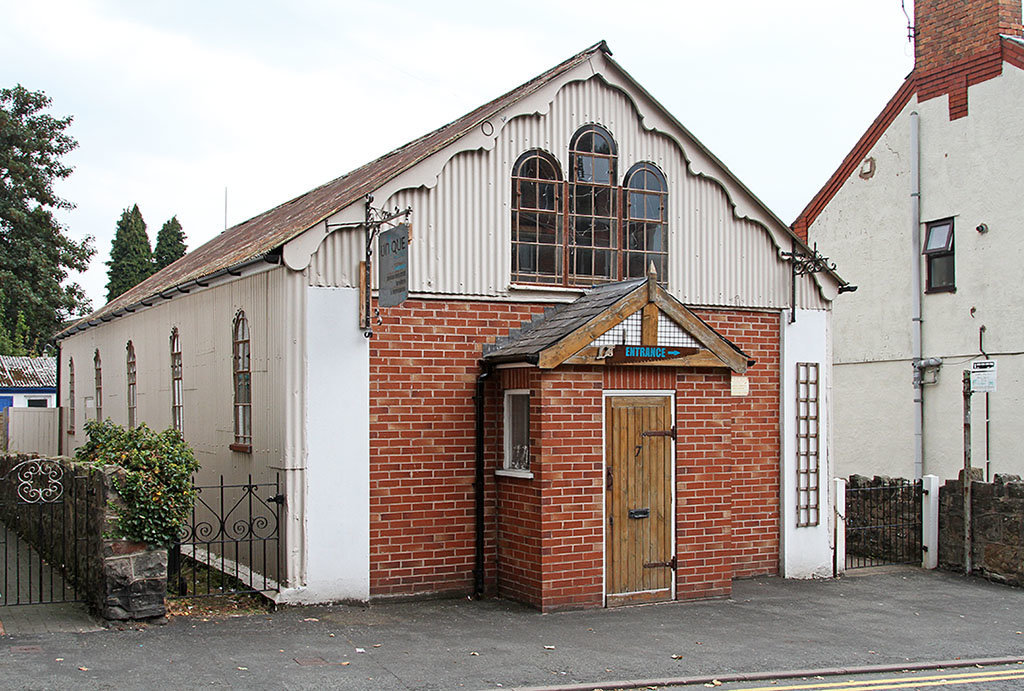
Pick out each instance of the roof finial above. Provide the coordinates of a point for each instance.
(652, 271)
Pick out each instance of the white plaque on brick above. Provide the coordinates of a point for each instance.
(740, 385)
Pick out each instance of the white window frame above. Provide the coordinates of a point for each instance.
(505, 470)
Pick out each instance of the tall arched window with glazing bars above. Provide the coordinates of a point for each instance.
(644, 237)
(593, 203)
(130, 378)
(71, 395)
(537, 219)
(97, 368)
(242, 383)
(177, 388)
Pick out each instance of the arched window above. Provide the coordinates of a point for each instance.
(98, 373)
(130, 378)
(644, 238)
(177, 390)
(592, 206)
(242, 384)
(536, 218)
(71, 395)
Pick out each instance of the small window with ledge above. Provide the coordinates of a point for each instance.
(131, 374)
(97, 367)
(177, 389)
(644, 236)
(536, 218)
(939, 255)
(242, 371)
(517, 433)
(71, 395)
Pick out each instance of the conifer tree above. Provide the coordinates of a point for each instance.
(131, 260)
(170, 244)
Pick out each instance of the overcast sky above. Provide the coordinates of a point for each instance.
(175, 101)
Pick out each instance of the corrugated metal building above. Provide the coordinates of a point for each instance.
(410, 462)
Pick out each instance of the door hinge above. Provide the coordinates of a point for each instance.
(661, 433)
(609, 478)
(670, 564)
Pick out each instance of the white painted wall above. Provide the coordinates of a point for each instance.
(806, 551)
(971, 170)
(21, 399)
(337, 502)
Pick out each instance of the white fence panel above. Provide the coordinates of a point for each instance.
(31, 430)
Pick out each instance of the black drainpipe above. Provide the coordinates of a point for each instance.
(478, 483)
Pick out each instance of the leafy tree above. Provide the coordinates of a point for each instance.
(131, 260)
(35, 254)
(170, 244)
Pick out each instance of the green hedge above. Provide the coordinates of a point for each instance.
(157, 483)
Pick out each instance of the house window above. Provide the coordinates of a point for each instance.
(177, 390)
(130, 367)
(98, 374)
(537, 218)
(807, 459)
(242, 384)
(36, 403)
(938, 253)
(645, 233)
(71, 395)
(517, 430)
(587, 229)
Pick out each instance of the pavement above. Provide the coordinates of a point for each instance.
(891, 617)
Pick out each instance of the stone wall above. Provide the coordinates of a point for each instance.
(997, 521)
(67, 511)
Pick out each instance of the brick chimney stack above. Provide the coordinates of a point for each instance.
(951, 31)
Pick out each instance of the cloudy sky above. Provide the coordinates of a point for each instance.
(175, 102)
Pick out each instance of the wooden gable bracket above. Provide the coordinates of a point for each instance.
(575, 349)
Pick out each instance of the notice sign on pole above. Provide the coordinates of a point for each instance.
(983, 376)
(393, 266)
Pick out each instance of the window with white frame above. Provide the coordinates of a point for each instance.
(130, 377)
(71, 395)
(177, 388)
(517, 430)
(242, 384)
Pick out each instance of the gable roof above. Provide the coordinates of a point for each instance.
(925, 85)
(28, 372)
(560, 333)
(262, 236)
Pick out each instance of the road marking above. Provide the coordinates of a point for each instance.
(902, 682)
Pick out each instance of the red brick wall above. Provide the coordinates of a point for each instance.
(423, 369)
(952, 31)
(517, 513)
(572, 491)
(545, 535)
(755, 441)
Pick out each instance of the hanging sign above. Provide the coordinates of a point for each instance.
(393, 266)
(983, 376)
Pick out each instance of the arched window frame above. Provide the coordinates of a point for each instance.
(130, 377)
(177, 387)
(595, 219)
(242, 380)
(594, 200)
(537, 218)
(645, 223)
(97, 366)
(71, 395)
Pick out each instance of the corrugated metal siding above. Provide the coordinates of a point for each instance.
(462, 230)
(204, 322)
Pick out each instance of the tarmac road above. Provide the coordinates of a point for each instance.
(895, 617)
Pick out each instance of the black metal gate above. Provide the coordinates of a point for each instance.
(883, 523)
(231, 543)
(44, 545)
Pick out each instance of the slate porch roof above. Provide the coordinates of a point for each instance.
(555, 323)
(28, 372)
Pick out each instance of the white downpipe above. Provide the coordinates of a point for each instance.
(915, 287)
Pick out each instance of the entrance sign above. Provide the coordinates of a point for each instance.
(632, 353)
(393, 266)
(983, 376)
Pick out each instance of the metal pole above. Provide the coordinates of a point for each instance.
(366, 269)
(967, 472)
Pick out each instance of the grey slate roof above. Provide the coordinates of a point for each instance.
(28, 372)
(544, 330)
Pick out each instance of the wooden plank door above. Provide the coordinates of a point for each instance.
(639, 434)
